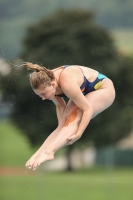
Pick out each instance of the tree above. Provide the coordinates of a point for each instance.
(29, 111)
(71, 37)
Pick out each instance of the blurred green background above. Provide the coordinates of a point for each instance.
(97, 33)
(103, 183)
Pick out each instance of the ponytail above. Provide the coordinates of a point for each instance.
(40, 75)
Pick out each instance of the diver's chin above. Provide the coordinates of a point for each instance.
(51, 98)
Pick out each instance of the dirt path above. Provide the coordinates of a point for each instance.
(16, 171)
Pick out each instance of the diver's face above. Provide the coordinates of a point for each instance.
(46, 92)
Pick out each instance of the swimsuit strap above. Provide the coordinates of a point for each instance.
(58, 81)
(82, 87)
(63, 67)
(81, 70)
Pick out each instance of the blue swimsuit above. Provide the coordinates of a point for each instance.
(87, 86)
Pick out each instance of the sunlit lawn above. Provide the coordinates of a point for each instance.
(14, 146)
(94, 184)
(89, 184)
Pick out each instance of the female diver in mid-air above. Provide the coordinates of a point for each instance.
(90, 93)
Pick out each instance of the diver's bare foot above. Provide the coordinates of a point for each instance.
(31, 160)
(37, 159)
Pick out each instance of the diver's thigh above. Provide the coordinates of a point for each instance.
(101, 99)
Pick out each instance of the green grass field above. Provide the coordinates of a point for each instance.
(14, 147)
(91, 183)
(94, 184)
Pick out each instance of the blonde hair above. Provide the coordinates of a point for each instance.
(40, 76)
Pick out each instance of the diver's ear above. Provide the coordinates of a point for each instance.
(53, 83)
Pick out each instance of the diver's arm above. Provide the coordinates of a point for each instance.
(75, 94)
(60, 107)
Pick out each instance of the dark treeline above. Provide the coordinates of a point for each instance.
(109, 13)
(16, 16)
